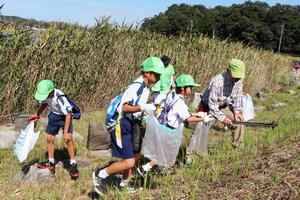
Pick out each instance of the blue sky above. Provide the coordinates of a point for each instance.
(84, 11)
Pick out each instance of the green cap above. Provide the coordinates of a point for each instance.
(153, 64)
(165, 84)
(185, 80)
(237, 68)
(165, 87)
(170, 70)
(156, 87)
(43, 89)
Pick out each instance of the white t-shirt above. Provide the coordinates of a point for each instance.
(59, 106)
(179, 111)
(131, 96)
(160, 99)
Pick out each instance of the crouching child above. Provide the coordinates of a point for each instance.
(60, 116)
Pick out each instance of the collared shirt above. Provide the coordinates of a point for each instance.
(179, 111)
(131, 96)
(59, 106)
(222, 92)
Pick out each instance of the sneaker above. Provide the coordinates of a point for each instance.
(47, 165)
(189, 161)
(99, 183)
(140, 170)
(74, 173)
(129, 188)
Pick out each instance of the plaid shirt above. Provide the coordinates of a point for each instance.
(222, 92)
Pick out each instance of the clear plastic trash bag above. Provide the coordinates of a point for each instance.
(248, 108)
(199, 139)
(161, 144)
(25, 142)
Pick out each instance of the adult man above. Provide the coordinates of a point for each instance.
(223, 99)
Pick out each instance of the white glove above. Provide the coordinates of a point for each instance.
(208, 118)
(202, 114)
(147, 107)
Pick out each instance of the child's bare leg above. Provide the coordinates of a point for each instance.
(127, 174)
(71, 148)
(50, 144)
(120, 165)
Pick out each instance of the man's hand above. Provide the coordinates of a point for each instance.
(238, 116)
(67, 137)
(227, 122)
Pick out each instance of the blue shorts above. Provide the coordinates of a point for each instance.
(55, 122)
(126, 152)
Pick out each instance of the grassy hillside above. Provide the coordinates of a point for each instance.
(94, 64)
(267, 168)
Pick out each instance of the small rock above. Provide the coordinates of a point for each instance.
(291, 91)
(296, 82)
(276, 106)
(259, 109)
(36, 175)
(287, 90)
(262, 95)
(7, 137)
(98, 137)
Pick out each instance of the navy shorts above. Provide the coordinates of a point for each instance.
(55, 122)
(126, 151)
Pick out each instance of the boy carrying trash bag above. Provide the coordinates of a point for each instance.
(159, 148)
(60, 116)
(131, 106)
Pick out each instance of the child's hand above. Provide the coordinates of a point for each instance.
(67, 137)
(33, 118)
(148, 108)
(208, 118)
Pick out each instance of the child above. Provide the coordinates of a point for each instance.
(59, 117)
(176, 111)
(131, 108)
(168, 77)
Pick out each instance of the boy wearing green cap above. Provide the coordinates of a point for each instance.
(132, 104)
(223, 99)
(59, 117)
(175, 111)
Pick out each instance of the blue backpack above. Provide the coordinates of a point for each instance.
(75, 109)
(112, 113)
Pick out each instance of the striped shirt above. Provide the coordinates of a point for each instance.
(222, 92)
(59, 106)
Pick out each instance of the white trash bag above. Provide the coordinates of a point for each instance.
(161, 144)
(199, 140)
(248, 108)
(25, 142)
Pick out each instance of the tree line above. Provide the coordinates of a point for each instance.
(253, 23)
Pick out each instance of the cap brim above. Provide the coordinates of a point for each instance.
(196, 85)
(237, 75)
(40, 97)
(161, 71)
(164, 92)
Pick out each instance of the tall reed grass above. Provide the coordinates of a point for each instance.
(92, 65)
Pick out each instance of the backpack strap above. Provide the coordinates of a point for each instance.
(172, 107)
(58, 98)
